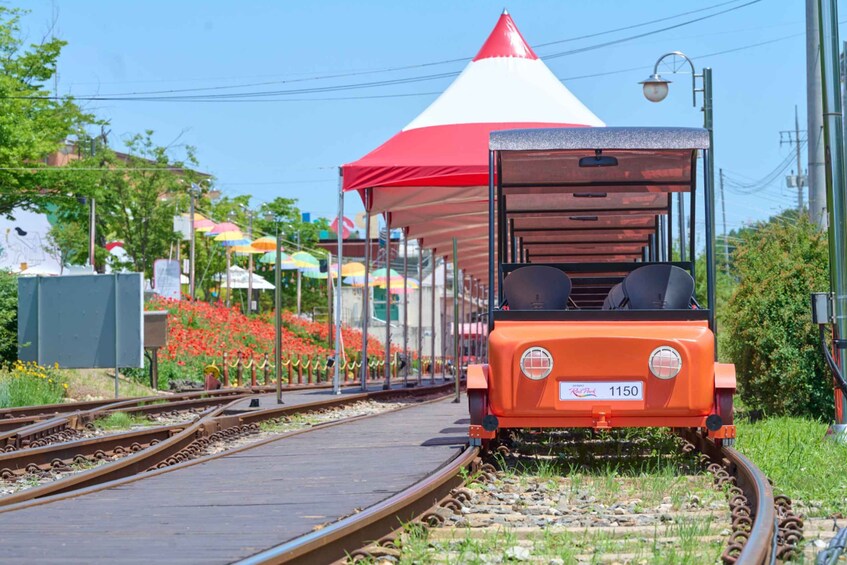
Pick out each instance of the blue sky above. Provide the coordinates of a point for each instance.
(292, 147)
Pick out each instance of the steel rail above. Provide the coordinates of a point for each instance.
(754, 483)
(171, 450)
(46, 457)
(337, 540)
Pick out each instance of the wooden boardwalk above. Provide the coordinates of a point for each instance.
(235, 506)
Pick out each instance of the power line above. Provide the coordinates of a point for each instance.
(345, 74)
(176, 94)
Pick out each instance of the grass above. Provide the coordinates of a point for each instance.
(27, 384)
(94, 384)
(802, 463)
(678, 544)
(120, 421)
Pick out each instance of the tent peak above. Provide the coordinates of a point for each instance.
(505, 41)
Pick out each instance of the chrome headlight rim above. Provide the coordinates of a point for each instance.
(669, 353)
(532, 350)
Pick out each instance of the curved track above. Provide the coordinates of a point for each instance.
(156, 447)
(372, 532)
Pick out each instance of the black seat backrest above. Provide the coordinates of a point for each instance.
(537, 287)
(616, 299)
(659, 287)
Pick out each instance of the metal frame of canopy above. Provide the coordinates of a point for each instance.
(578, 197)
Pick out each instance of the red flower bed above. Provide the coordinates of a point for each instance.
(350, 337)
(199, 329)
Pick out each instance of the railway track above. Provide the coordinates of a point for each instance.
(122, 455)
(763, 528)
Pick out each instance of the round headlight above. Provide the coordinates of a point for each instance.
(536, 363)
(665, 362)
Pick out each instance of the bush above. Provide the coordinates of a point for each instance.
(8, 318)
(770, 336)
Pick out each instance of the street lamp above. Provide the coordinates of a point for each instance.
(655, 90)
(193, 192)
(271, 217)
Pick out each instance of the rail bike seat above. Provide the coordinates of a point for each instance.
(537, 287)
(653, 287)
(616, 300)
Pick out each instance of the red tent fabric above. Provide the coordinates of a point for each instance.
(438, 163)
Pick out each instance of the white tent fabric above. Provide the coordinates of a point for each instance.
(239, 278)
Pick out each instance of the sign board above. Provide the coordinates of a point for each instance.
(182, 226)
(166, 279)
(83, 321)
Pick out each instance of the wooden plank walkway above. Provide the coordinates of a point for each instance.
(233, 507)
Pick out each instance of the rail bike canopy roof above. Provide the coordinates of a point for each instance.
(581, 196)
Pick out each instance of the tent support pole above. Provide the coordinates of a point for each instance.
(420, 313)
(339, 354)
(366, 291)
(457, 362)
(432, 321)
(387, 384)
(444, 326)
(406, 308)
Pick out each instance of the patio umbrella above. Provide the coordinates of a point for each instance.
(222, 228)
(359, 281)
(204, 225)
(266, 243)
(234, 235)
(381, 276)
(313, 274)
(348, 269)
(233, 243)
(305, 260)
(411, 284)
(245, 250)
(285, 260)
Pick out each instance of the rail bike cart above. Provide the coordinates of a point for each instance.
(591, 322)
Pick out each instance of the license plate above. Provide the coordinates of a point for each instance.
(605, 390)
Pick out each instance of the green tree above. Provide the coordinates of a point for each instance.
(32, 123)
(8, 317)
(137, 194)
(771, 339)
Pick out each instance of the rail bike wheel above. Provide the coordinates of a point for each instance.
(723, 406)
(477, 406)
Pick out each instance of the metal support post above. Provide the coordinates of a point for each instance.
(456, 363)
(366, 291)
(432, 320)
(725, 241)
(833, 135)
(92, 232)
(339, 354)
(278, 315)
(387, 384)
(420, 314)
(444, 326)
(406, 308)
(191, 193)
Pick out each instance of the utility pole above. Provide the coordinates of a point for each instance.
(725, 242)
(797, 181)
(814, 110)
(191, 192)
(92, 232)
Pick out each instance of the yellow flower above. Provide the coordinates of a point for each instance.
(65, 385)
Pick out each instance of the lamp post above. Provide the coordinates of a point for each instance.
(193, 192)
(656, 90)
(249, 260)
(271, 217)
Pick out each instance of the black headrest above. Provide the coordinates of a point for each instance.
(658, 287)
(537, 287)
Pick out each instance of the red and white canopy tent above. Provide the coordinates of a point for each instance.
(431, 179)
